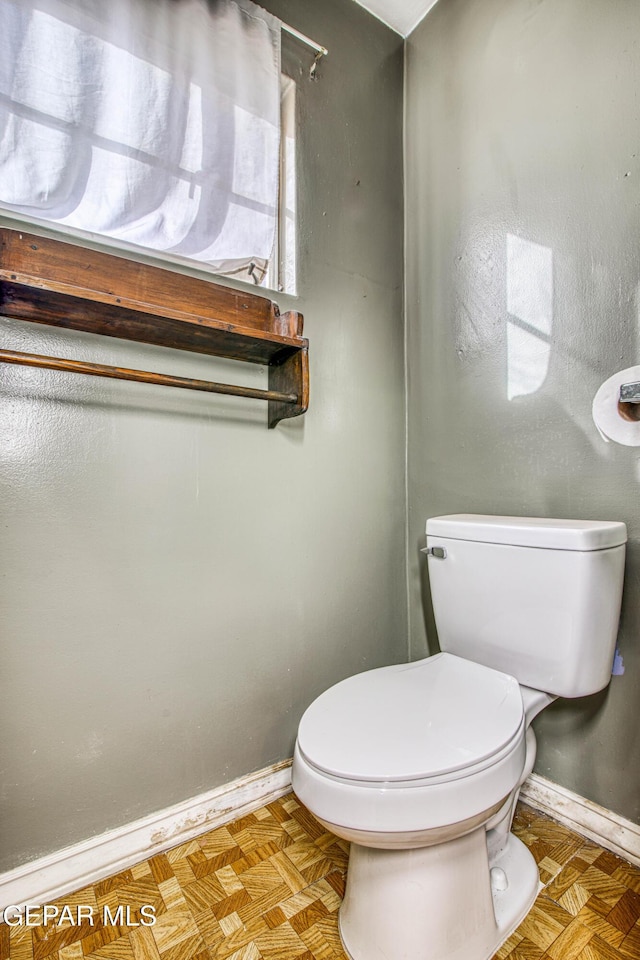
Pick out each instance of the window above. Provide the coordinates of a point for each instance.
(281, 273)
(151, 125)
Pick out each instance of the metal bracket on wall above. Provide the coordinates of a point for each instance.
(629, 402)
(630, 393)
(320, 50)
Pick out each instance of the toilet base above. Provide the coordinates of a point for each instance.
(437, 902)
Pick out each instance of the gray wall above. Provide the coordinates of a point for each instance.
(178, 583)
(522, 297)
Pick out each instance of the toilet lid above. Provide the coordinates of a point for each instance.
(412, 721)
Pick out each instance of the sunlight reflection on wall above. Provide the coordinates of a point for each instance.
(530, 320)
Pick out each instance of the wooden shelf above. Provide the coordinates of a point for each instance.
(60, 284)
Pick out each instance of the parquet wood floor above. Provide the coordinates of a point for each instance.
(268, 887)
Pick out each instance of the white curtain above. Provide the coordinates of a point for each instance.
(154, 122)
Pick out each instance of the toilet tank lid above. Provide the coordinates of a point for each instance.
(579, 535)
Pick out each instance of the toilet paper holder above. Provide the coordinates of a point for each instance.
(629, 402)
(616, 407)
(630, 392)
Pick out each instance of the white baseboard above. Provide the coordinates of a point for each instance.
(72, 868)
(606, 828)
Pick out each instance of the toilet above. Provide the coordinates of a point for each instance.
(419, 765)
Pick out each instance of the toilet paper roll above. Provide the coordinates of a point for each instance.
(606, 414)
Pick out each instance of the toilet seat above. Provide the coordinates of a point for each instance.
(396, 753)
(440, 719)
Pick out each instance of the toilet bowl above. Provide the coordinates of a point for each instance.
(419, 765)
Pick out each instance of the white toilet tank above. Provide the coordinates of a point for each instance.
(538, 599)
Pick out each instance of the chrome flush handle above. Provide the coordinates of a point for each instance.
(439, 552)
